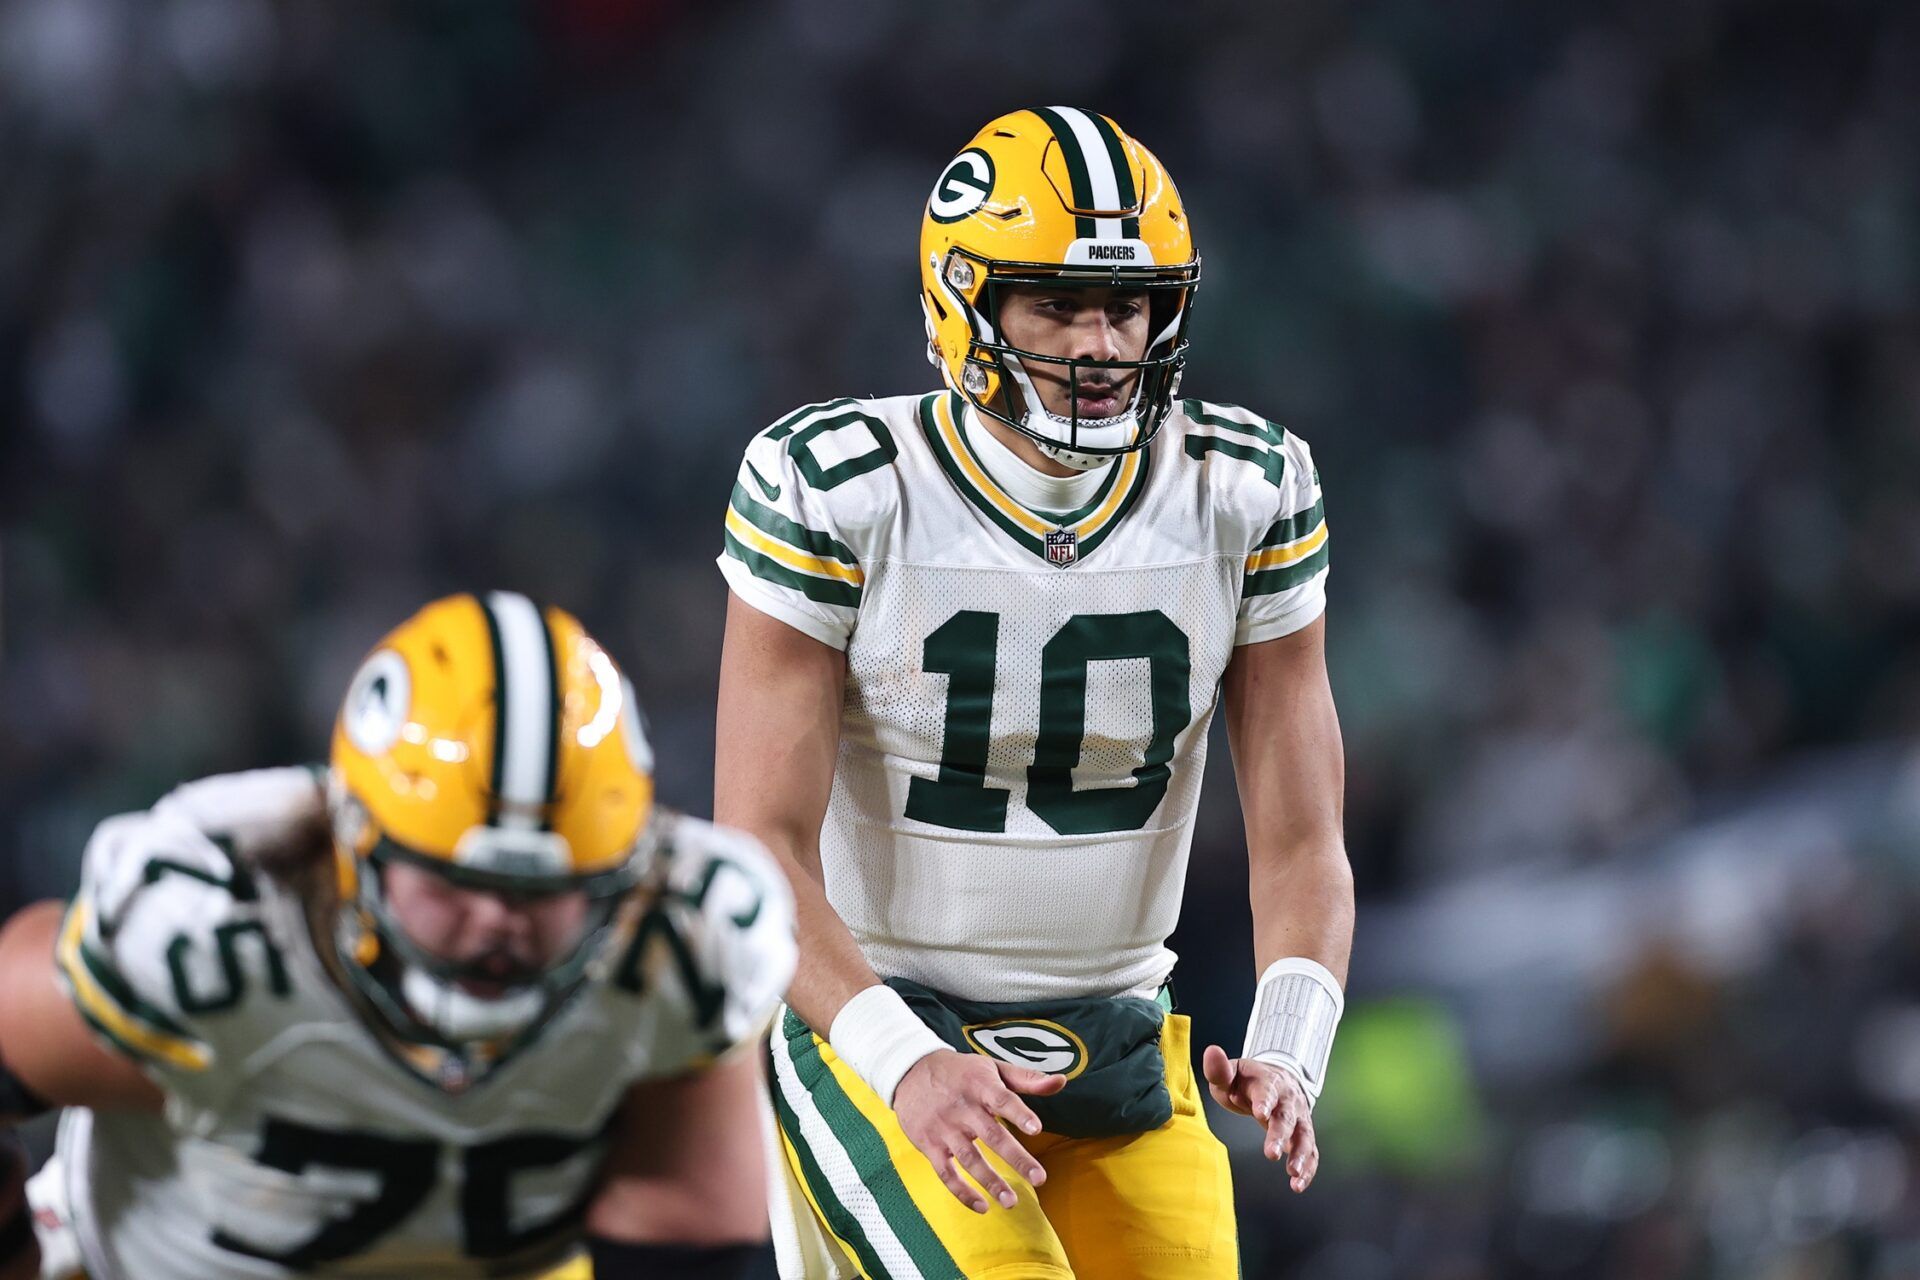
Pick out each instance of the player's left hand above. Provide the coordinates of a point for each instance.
(1276, 1099)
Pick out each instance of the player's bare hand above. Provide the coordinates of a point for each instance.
(952, 1104)
(1277, 1100)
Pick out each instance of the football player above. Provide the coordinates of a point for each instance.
(974, 643)
(463, 1004)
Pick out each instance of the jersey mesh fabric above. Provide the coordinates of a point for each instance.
(1024, 913)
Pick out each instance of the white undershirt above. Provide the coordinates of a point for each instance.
(1031, 488)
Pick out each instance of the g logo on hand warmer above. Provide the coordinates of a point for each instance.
(1036, 1044)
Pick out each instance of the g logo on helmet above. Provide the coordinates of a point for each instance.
(964, 187)
(378, 703)
(1034, 1043)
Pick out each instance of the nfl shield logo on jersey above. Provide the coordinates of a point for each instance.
(1063, 547)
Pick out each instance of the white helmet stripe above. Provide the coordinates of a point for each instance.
(1100, 174)
(526, 706)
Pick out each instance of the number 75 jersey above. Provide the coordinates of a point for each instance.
(299, 1141)
(1028, 694)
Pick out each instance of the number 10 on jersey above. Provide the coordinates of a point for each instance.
(965, 648)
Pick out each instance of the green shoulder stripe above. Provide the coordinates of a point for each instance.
(1268, 581)
(1294, 527)
(126, 997)
(824, 590)
(771, 522)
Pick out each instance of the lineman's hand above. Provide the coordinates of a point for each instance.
(1274, 1097)
(950, 1102)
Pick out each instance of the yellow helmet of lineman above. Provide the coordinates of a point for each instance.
(494, 743)
(1048, 196)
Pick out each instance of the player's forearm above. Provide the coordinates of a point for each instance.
(1302, 902)
(831, 971)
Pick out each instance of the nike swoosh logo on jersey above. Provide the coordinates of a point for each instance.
(771, 490)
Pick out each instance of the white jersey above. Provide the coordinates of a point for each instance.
(1028, 695)
(292, 1142)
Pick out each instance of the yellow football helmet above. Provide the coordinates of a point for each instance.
(494, 743)
(1048, 196)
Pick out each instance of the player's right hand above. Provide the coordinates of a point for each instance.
(950, 1102)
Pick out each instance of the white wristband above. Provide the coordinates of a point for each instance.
(877, 1035)
(1295, 1011)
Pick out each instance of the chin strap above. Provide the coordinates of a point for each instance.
(462, 1017)
(1127, 421)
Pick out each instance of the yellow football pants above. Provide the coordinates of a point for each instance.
(1149, 1206)
(581, 1268)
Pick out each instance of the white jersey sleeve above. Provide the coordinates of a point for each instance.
(165, 950)
(1284, 584)
(791, 546)
(716, 950)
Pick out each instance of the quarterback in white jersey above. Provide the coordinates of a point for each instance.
(975, 642)
(458, 1006)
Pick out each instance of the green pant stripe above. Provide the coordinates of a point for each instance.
(839, 1217)
(825, 590)
(870, 1156)
(1268, 581)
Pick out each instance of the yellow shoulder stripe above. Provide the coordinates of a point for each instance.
(1279, 557)
(103, 1009)
(791, 557)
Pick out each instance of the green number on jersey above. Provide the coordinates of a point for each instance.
(233, 982)
(801, 447)
(403, 1173)
(965, 649)
(1265, 451)
(1085, 639)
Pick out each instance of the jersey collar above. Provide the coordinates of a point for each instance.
(1060, 538)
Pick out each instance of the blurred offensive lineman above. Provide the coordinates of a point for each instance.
(448, 1010)
(975, 641)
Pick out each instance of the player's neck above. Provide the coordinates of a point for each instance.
(1029, 476)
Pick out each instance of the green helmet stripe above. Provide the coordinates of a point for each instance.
(1122, 172)
(1069, 145)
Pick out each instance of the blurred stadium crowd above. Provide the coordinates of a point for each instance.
(1600, 318)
